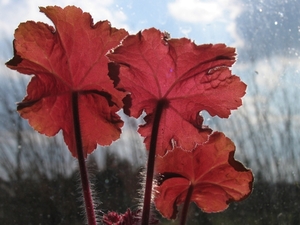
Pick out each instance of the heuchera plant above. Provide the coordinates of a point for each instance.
(84, 73)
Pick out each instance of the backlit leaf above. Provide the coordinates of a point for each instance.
(67, 58)
(189, 78)
(210, 171)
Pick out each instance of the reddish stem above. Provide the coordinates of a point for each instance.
(186, 205)
(151, 161)
(87, 194)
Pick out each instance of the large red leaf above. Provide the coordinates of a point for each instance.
(215, 177)
(189, 78)
(66, 59)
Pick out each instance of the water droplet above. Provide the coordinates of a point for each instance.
(212, 70)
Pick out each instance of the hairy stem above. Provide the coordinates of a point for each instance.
(87, 194)
(151, 161)
(186, 205)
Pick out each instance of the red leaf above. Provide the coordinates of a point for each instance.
(188, 77)
(66, 59)
(211, 170)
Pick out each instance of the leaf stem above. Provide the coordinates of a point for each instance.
(87, 194)
(151, 162)
(186, 205)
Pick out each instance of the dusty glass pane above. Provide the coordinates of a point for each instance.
(39, 179)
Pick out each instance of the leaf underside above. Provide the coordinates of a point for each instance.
(217, 178)
(64, 59)
(189, 77)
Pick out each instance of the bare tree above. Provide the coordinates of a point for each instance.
(24, 152)
(266, 128)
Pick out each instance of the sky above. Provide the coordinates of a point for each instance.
(266, 33)
(257, 28)
(178, 17)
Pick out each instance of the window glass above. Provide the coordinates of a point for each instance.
(39, 181)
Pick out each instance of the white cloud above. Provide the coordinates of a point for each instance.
(271, 72)
(276, 71)
(207, 12)
(203, 11)
(195, 11)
